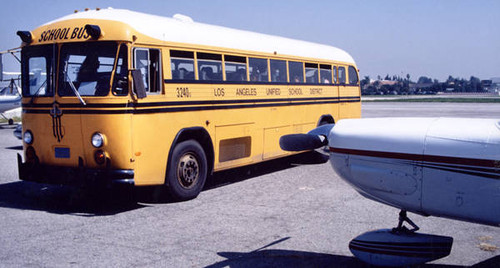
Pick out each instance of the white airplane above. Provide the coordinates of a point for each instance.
(10, 96)
(444, 167)
(10, 99)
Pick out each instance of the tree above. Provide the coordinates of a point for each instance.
(424, 80)
(365, 80)
(475, 84)
(365, 84)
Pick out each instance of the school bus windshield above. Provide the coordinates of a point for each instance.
(84, 67)
(87, 69)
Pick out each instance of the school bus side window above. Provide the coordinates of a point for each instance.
(311, 73)
(148, 61)
(278, 71)
(236, 68)
(182, 65)
(296, 72)
(325, 72)
(341, 75)
(209, 66)
(353, 75)
(258, 70)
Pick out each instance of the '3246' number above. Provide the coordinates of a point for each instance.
(183, 92)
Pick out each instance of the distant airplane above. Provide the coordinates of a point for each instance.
(10, 98)
(444, 167)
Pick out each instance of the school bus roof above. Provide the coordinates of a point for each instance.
(182, 29)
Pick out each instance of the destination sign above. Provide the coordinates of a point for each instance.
(64, 34)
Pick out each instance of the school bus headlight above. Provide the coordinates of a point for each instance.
(28, 137)
(97, 140)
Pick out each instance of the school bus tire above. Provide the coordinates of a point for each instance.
(187, 171)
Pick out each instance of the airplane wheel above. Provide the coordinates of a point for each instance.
(187, 170)
(11, 121)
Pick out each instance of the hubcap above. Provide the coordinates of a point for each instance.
(188, 171)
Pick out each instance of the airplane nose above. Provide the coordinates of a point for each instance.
(301, 142)
(314, 139)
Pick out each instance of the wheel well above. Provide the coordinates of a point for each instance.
(200, 135)
(326, 119)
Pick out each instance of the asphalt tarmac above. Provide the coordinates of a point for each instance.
(292, 212)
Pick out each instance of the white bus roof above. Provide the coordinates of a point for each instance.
(182, 29)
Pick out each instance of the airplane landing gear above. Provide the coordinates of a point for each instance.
(403, 229)
(400, 246)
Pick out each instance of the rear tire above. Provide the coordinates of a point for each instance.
(187, 171)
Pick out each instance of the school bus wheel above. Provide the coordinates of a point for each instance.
(187, 170)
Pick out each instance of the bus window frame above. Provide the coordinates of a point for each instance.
(115, 75)
(349, 68)
(328, 68)
(50, 63)
(259, 75)
(335, 75)
(159, 72)
(311, 67)
(210, 57)
(64, 50)
(289, 70)
(236, 60)
(344, 82)
(271, 70)
(182, 57)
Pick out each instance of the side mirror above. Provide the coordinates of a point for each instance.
(139, 88)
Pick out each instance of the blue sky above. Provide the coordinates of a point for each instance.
(433, 38)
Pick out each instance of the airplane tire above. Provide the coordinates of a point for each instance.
(11, 121)
(187, 171)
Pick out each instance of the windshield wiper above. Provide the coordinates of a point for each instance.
(72, 85)
(37, 91)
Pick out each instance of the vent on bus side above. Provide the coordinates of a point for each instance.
(232, 149)
(182, 18)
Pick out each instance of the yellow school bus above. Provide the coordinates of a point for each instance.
(116, 96)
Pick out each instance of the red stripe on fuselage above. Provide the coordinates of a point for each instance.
(420, 157)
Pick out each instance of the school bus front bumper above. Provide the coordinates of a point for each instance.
(81, 175)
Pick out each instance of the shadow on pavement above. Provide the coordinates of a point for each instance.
(285, 258)
(159, 194)
(99, 202)
(291, 258)
(16, 148)
(247, 172)
(492, 262)
(65, 199)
